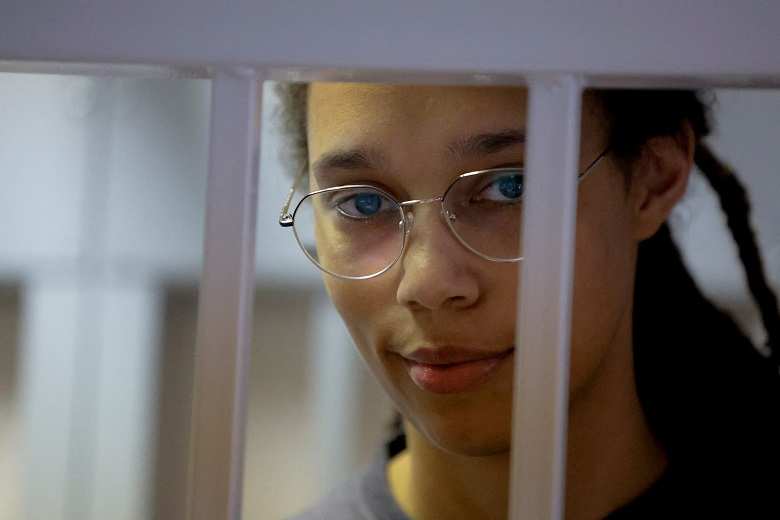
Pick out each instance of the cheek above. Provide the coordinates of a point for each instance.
(369, 311)
(603, 292)
(361, 305)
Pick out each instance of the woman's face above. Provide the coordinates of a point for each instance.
(438, 328)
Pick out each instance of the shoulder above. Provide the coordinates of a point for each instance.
(365, 496)
(344, 503)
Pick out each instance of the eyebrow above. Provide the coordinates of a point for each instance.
(480, 145)
(358, 158)
(371, 158)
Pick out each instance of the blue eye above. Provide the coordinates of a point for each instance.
(362, 203)
(367, 204)
(501, 188)
(510, 186)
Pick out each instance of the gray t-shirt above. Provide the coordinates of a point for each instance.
(365, 496)
(682, 492)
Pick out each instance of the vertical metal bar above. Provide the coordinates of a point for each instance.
(542, 366)
(225, 303)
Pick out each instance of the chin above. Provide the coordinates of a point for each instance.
(468, 438)
(471, 446)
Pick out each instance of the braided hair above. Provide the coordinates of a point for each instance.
(635, 116)
(735, 205)
(709, 395)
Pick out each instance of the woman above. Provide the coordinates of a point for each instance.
(672, 414)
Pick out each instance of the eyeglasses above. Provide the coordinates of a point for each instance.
(357, 232)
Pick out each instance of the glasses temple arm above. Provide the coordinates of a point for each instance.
(593, 165)
(285, 218)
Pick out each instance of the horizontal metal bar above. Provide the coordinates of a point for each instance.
(602, 38)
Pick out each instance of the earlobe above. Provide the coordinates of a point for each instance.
(660, 178)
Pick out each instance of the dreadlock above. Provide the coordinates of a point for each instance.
(735, 205)
(634, 116)
(702, 383)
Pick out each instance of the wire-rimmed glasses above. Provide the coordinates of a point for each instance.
(359, 231)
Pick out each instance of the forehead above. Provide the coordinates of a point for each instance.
(339, 111)
(349, 96)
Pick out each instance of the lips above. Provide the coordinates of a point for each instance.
(451, 370)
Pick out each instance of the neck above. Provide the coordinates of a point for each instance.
(612, 455)
(430, 483)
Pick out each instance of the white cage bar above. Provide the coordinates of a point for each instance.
(539, 424)
(225, 307)
(556, 47)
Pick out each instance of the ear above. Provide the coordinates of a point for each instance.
(660, 178)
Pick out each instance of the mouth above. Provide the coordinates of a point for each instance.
(452, 370)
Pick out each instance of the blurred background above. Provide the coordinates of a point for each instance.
(102, 190)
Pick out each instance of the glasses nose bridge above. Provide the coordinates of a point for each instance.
(420, 201)
(406, 207)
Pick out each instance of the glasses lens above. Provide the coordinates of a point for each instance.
(352, 232)
(485, 210)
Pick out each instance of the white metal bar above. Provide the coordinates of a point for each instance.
(225, 301)
(542, 366)
(608, 38)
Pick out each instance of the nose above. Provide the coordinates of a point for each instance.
(436, 270)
